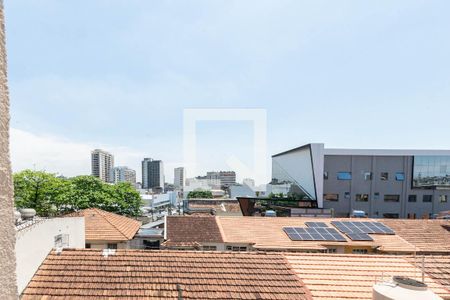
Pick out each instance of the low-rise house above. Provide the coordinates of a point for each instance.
(273, 234)
(193, 233)
(108, 230)
(132, 274)
(351, 277)
(36, 237)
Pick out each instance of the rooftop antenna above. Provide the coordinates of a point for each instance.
(180, 292)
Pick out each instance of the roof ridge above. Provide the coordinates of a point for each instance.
(101, 212)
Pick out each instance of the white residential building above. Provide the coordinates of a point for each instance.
(35, 239)
(102, 163)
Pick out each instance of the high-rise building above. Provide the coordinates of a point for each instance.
(152, 174)
(123, 174)
(102, 163)
(178, 177)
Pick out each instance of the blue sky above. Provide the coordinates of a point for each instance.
(118, 74)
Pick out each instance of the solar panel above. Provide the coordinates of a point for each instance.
(359, 236)
(314, 234)
(362, 227)
(316, 224)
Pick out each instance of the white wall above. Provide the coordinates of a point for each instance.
(35, 242)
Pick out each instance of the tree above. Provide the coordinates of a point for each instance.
(200, 194)
(51, 195)
(38, 190)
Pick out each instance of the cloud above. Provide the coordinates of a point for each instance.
(60, 155)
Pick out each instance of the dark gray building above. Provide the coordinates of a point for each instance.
(382, 183)
(152, 174)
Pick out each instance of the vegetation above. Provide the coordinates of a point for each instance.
(200, 194)
(50, 195)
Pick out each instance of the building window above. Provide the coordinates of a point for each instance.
(325, 175)
(347, 195)
(400, 176)
(443, 198)
(427, 198)
(391, 198)
(412, 198)
(331, 250)
(411, 216)
(331, 197)
(367, 176)
(376, 196)
(344, 175)
(236, 248)
(384, 176)
(359, 251)
(209, 248)
(362, 197)
(390, 216)
(87, 246)
(112, 246)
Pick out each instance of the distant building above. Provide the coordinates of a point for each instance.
(179, 178)
(123, 174)
(382, 183)
(152, 174)
(226, 178)
(193, 184)
(102, 163)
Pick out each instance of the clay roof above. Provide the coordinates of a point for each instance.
(340, 276)
(267, 233)
(101, 225)
(129, 274)
(425, 235)
(187, 230)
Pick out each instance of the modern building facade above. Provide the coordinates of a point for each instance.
(179, 178)
(152, 174)
(123, 174)
(226, 178)
(382, 183)
(102, 163)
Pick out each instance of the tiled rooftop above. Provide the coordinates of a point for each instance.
(187, 230)
(336, 276)
(267, 233)
(105, 226)
(129, 274)
(425, 235)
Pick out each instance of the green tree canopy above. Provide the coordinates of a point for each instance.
(51, 195)
(200, 194)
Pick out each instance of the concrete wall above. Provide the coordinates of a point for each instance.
(377, 206)
(35, 242)
(8, 288)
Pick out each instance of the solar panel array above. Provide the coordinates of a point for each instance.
(316, 224)
(359, 236)
(314, 234)
(359, 231)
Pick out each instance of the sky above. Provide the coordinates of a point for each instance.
(118, 75)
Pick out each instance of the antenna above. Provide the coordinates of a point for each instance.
(180, 292)
(423, 268)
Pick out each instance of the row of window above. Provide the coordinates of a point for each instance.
(384, 176)
(387, 198)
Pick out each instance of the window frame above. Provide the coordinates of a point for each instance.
(414, 196)
(391, 195)
(362, 198)
(344, 175)
(384, 178)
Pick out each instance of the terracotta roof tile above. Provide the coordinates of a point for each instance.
(182, 230)
(101, 225)
(338, 276)
(426, 235)
(155, 274)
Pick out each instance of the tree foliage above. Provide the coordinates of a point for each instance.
(200, 194)
(50, 195)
